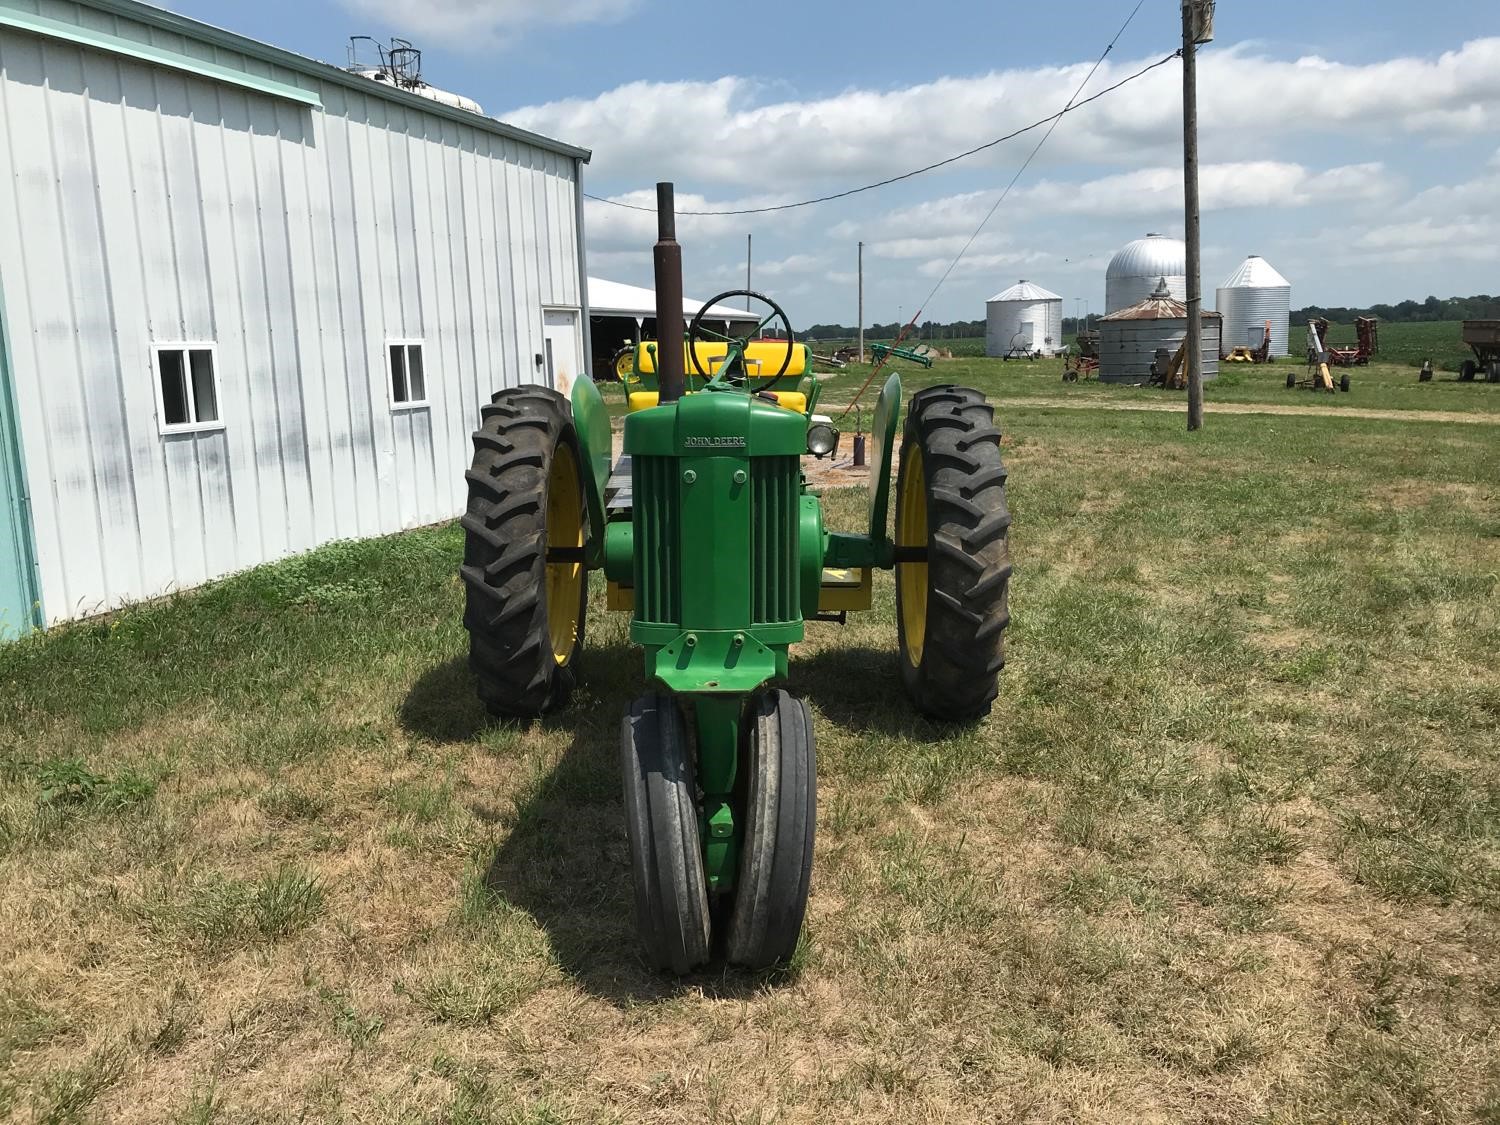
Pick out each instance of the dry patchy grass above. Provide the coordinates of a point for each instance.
(1225, 850)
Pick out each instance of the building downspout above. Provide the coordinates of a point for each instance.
(583, 268)
(11, 450)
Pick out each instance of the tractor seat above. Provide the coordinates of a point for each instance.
(795, 401)
(762, 358)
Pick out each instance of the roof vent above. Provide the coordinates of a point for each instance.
(1162, 293)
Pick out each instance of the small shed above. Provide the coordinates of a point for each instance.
(622, 314)
(1023, 318)
(1130, 338)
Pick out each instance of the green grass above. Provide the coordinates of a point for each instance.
(1228, 847)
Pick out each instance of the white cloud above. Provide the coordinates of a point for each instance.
(855, 134)
(479, 24)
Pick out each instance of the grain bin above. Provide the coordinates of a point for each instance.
(1024, 317)
(1130, 338)
(1250, 296)
(1135, 270)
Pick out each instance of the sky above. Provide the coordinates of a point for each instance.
(1355, 144)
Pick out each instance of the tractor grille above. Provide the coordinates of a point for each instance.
(774, 490)
(658, 587)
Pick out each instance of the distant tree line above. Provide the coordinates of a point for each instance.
(1482, 307)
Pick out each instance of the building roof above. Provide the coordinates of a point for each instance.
(1255, 273)
(296, 70)
(1156, 255)
(1159, 306)
(615, 298)
(1024, 290)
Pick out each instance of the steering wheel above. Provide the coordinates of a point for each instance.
(696, 332)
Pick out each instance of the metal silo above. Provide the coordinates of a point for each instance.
(1133, 272)
(1024, 316)
(1250, 296)
(1130, 337)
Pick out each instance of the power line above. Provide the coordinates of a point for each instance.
(1053, 119)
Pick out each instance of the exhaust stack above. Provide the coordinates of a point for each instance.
(666, 258)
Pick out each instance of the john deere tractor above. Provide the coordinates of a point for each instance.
(710, 538)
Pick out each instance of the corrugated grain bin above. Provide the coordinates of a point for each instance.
(1134, 271)
(1025, 316)
(1130, 338)
(1250, 296)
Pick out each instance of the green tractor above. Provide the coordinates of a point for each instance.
(708, 535)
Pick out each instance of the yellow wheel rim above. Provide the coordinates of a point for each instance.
(564, 529)
(625, 365)
(911, 531)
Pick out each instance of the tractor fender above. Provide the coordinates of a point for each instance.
(887, 414)
(591, 421)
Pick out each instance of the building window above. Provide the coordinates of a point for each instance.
(408, 375)
(187, 383)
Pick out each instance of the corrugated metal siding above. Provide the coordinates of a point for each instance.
(1003, 320)
(1127, 347)
(1246, 310)
(145, 206)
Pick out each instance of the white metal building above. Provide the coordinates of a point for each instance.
(1132, 274)
(1252, 295)
(249, 302)
(1024, 317)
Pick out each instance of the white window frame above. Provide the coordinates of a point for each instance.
(390, 391)
(186, 346)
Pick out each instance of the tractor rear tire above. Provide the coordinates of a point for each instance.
(524, 611)
(661, 824)
(952, 599)
(1494, 375)
(1466, 372)
(781, 810)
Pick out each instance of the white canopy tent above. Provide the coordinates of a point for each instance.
(615, 298)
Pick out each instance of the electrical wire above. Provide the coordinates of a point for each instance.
(1053, 119)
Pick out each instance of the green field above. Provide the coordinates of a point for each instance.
(1227, 848)
(1404, 344)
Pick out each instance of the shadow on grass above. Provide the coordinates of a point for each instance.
(564, 860)
(442, 704)
(860, 689)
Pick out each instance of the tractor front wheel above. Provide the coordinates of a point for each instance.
(770, 898)
(661, 824)
(1344, 382)
(526, 587)
(952, 559)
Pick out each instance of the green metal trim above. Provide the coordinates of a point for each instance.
(153, 16)
(591, 423)
(11, 454)
(145, 52)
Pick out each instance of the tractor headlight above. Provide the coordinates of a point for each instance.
(822, 437)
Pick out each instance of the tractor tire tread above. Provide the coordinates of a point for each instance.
(968, 563)
(661, 827)
(505, 553)
(775, 872)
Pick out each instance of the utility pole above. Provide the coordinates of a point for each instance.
(748, 238)
(1197, 27)
(861, 302)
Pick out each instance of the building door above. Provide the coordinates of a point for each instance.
(1028, 333)
(563, 349)
(18, 598)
